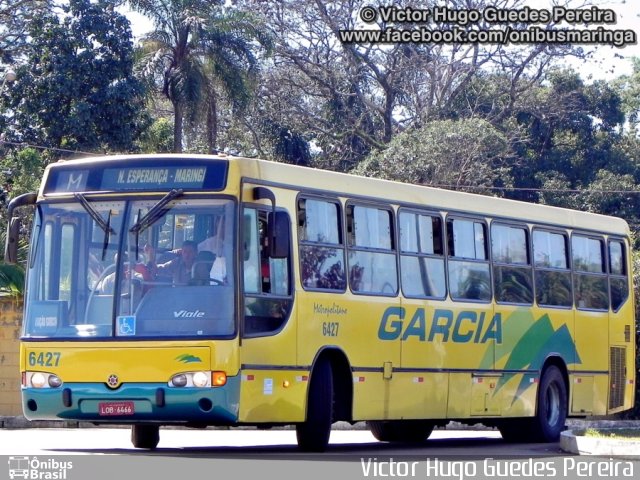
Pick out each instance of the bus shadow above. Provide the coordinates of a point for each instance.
(460, 449)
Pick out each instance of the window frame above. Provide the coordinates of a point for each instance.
(615, 276)
(567, 247)
(580, 273)
(420, 255)
(393, 234)
(528, 243)
(451, 257)
(342, 245)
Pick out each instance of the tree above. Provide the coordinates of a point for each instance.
(15, 17)
(449, 153)
(355, 97)
(198, 50)
(75, 89)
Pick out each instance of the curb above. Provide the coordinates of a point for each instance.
(574, 441)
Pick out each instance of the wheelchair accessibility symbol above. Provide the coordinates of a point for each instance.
(126, 325)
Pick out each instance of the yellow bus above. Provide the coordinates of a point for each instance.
(215, 290)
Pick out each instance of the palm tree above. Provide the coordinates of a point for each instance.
(11, 280)
(200, 49)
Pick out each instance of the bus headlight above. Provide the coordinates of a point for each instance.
(179, 380)
(200, 379)
(41, 380)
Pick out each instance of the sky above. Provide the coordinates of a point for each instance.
(606, 64)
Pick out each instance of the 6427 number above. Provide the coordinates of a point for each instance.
(330, 329)
(44, 359)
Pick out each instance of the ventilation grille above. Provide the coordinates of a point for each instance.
(627, 333)
(617, 377)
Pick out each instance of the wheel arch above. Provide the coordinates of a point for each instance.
(557, 361)
(342, 380)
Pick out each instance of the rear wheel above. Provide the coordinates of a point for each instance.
(145, 436)
(409, 431)
(551, 407)
(313, 434)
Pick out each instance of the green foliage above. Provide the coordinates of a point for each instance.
(76, 89)
(158, 138)
(11, 280)
(21, 171)
(635, 412)
(15, 16)
(450, 153)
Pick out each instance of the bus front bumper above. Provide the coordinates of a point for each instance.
(134, 402)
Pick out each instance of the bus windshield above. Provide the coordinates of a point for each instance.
(155, 267)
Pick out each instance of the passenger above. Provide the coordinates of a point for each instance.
(180, 267)
(202, 268)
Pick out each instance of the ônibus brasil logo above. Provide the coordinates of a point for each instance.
(33, 468)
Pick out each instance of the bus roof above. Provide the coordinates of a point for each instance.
(348, 185)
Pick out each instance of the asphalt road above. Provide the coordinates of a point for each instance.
(106, 453)
(244, 443)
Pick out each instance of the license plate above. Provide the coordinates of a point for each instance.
(115, 408)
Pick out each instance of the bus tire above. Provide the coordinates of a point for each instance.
(145, 436)
(313, 434)
(405, 431)
(551, 411)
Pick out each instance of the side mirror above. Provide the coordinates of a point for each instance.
(11, 245)
(279, 234)
(13, 232)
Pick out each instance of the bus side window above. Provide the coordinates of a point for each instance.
(618, 281)
(321, 245)
(421, 255)
(372, 258)
(512, 273)
(590, 287)
(469, 273)
(267, 285)
(551, 269)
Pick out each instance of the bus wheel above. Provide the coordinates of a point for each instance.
(313, 434)
(551, 408)
(145, 436)
(408, 431)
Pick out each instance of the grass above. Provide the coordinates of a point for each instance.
(614, 434)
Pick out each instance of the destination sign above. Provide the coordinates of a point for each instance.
(148, 174)
(149, 178)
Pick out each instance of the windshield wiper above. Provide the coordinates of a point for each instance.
(105, 226)
(156, 212)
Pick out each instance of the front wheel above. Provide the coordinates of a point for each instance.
(551, 407)
(145, 436)
(313, 434)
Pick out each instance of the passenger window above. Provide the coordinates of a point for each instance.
(372, 259)
(618, 280)
(512, 273)
(321, 246)
(550, 250)
(590, 281)
(469, 273)
(421, 255)
(552, 275)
